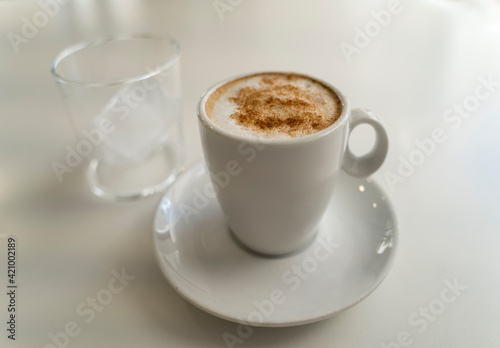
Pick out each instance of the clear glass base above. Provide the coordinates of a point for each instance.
(133, 181)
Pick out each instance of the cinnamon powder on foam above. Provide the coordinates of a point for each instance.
(278, 105)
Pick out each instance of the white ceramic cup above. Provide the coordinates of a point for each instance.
(274, 192)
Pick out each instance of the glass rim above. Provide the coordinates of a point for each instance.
(68, 51)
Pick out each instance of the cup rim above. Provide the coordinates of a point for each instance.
(208, 123)
(66, 52)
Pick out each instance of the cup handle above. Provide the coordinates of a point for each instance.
(366, 165)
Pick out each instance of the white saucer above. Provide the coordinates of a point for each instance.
(348, 259)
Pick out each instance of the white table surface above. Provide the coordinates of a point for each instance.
(426, 60)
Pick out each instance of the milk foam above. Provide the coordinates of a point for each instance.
(220, 107)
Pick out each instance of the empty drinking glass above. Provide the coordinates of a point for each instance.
(123, 96)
